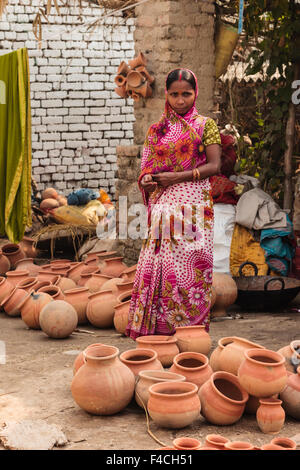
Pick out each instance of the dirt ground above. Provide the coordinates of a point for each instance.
(35, 383)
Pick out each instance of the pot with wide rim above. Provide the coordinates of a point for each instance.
(86, 274)
(13, 252)
(270, 416)
(54, 292)
(290, 395)
(186, 443)
(194, 366)
(14, 277)
(28, 265)
(28, 284)
(216, 441)
(165, 346)
(141, 359)
(11, 304)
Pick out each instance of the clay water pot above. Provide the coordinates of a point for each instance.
(165, 346)
(216, 441)
(103, 385)
(87, 273)
(44, 275)
(4, 264)
(193, 339)
(140, 359)
(54, 292)
(79, 361)
(174, 405)
(138, 61)
(262, 373)
(290, 395)
(113, 266)
(284, 443)
(6, 288)
(194, 367)
(121, 312)
(100, 309)
(64, 283)
(11, 304)
(28, 265)
(222, 398)
(226, 293)
(234, 355)
(129, 274)
(28, 284)
(27, 244)
(61, 269)
(58, 319)
(238, 445)
(270, 415)
(146, 378)
(289, 352)
(75, 271)
(14, 277)
(31, 307)
(95, 282)
(78, 298)
(186, 443)
(13, 253)
(253, 404)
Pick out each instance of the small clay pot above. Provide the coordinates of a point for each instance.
(31, 307)
(238, 445)
(11, 304)
(270, 415)
(284, 443)
(253, 404)
(186, 443)
(150, 79)
(123, 68)
(193, 339)
(4, 264)
(78, 298)
(28, 265)
(100, 309)
(165, 346)
(58, 319)
(216, 441)
(140, 359)
(121, 312)
(13, 253)
(194, 367)
(271, 447)
(54, 292)
(6, 288)
(14, 277)
(120, 80)
(290, 395)
(146, 378)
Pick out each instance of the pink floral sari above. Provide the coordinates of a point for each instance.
(173, 280)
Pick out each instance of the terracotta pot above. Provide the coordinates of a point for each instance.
(144, 90)
(13, 253)
(226, 293)
(14, 277)
(75, 271)
(120, 80)
(28, 246)
(262, 373)
(46, 267)
(106, 254)
(270, 415)
(41, 284)
(121, 312)
(111, 284)
(60, 261)
(135, 79)
(79, 361)
(235, 353)
(174, 405)
(193, 339)
(140, 359)
(78, 298)
(222, 398)
(150, 377)
(238, 445)
(54, 292)
(11, 304)
(100, 309)
(290, 395)
(113, 266)
(44, 275)
(4, 264)
(216, 441)
(87, 273)
(93, 262)
(186, 443)
(137, 61)
(165, 346)
(271, 447)
(31, 307)
(135, 96)
(145, 74)
(49, 193)
(103, 385)
(95, 282)
(284, 443)
(253, 404)
(129, 274)
(121, 91)
(58, 319)
(194, 367)
(28, 265)
(123, 68)
(28, 284)
(64, 283)
(6, 288)
(289, 352)
(61, 269)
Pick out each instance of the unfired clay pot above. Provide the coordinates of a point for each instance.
(113, 266)
(222, 398)
(31, 307)
(289, 352)
(186, 443)
(95, 282)
(226, 293)
(64, 283)
(58, 319)
(4, 264)
(270, 415)
(103, 385)
(14, 277)
(100, 309)
(193, 338)
(165, 346)
(141, 359)
(13, 252)
(146, 378)
(78, 298)
(121, 312)
(290, 395)
(194, 366)
(11, 304)
(6, 288)
(174, 405)
(216, 441)
(262, 373)
(28, 265)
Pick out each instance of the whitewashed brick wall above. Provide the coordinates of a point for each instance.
(77, 118)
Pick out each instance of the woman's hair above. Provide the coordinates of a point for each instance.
(181, 74)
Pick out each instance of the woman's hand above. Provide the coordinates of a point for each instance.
(148, 184)
(166, 178)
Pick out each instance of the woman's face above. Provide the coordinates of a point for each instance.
(181, 96)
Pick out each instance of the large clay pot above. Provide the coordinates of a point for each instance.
(113, 266)
(79, 361)
(103, 385)
(290, 395)
(64, 283)
(150, 377)
(100, 309)
(231, 357)
(75, 271)
(238, 445)
(226, 293)
(193, 339)
(28, 284)
(216, 441)
(165, 346)
(262, 373)
(186, 443)
(14, 277)
(284, 443)
(174, 405)
(129, 274)
(58, 319)
(13, 252)
(4, 264)
(121, 312)
(28, 246)
(87, 273)
(6, 288)
(78, 298)
(290, 353)
(28, 265)
(141, 359)
(270, 415)
(11, 304)
(95, 282)
(54, 292)
(222, 399)
(194, 367)
(31, 307)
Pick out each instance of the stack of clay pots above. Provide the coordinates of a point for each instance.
(134, 80)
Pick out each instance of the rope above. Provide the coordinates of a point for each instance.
(148, 422)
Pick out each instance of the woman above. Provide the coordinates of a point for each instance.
(173, 280)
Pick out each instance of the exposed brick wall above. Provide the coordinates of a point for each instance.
(77, 119)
